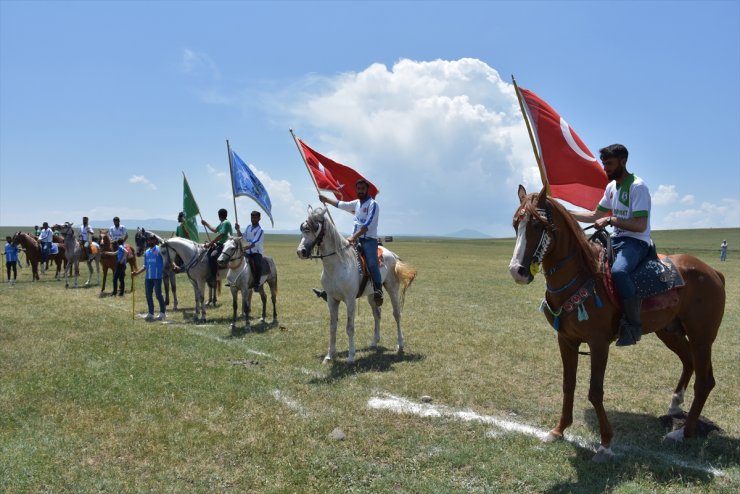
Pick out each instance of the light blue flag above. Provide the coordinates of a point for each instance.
(245, 183)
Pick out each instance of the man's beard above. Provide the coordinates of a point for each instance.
(616, 174)
(362, 197)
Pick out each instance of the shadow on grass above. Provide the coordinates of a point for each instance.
(257, 327)
(380, 360)
(639, 451)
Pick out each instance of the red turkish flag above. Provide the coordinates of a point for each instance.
(333, 176)
(572, 171)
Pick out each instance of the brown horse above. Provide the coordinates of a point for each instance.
(33, 253)
(548, 234)
(108, 257)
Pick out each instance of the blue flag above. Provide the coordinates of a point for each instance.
(245, 183)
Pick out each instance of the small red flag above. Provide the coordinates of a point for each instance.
(333, 176)
(571, 169)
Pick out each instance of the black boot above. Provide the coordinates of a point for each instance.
(630, 329)
(378, 295)
(319, 293)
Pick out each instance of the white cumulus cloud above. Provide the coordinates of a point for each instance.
(196, 63)
(436, 138)
(665, 194)
(725, 214)
(688, 199)
(140, 179)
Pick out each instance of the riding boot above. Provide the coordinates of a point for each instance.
(378, 294)
(630, 329)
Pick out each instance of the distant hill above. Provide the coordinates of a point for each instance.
(158, 224)
(467, 233)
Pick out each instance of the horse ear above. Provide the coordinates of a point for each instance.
(522, 193)
(542, 198)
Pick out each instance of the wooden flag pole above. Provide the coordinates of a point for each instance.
(308, 169)
(537, 157)
(231, 174)
(199, 213)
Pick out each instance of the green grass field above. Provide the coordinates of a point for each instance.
(93, 399)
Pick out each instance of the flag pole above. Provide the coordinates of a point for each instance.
(196, 205)
(537, 157)
(231, 174)
(308, 169)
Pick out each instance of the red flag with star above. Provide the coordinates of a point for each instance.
(334, 177)
(572, 171)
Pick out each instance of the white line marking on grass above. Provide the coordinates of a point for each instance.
(290, 403)
(228, 342)
(403, 405)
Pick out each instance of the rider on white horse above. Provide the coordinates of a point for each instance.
(224, 230)
(366, 212)
(255, 237)
(86, 236)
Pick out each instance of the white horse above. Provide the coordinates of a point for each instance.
(74, 253)
(240, 278)
(342, 276)
(195, 259)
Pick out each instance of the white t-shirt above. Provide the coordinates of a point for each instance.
(116, 233)
(84, 230)
(366, 214)
(255, 235)
(46, 235)
(626, 201)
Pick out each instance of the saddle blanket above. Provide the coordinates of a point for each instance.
(657, 282)
(54, 248)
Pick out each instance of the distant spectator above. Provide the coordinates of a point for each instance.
(723, 251)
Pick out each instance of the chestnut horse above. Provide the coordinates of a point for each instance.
(109, 255)
(33, 253)
(548, 234)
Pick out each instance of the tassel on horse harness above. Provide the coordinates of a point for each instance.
(576, 302)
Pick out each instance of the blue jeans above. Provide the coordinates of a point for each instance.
(45, 249)
(369, 248)
(154, 285)
(628, 253)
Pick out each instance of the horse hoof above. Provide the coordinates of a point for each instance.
(603, 455)
(326, 360)
(551, 437)
(675, 437)
(400, 350)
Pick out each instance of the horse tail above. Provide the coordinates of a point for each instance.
(405, 274)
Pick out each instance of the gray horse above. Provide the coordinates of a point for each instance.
(74, 253)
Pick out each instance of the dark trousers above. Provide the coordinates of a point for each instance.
(628, 253)
(369, 247)
(155, 286)
(213, 260)
(118, 277)
(11, 264)
(255, 264)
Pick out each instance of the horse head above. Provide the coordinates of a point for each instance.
(534, 235)
(141, 238)
(233, 250)
(66, 230)
(312, 232)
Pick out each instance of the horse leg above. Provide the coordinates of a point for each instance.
(263, 296)
(273, 297)
(569, 357)
(599, 358)
(351, 308)
(376, 322)
(105, 278)
(393, 292)
(333, 318)
(233, 306)
(173, 284)
(166, 282)
(246, 307)
(703, 385)
(678, 344)
(89, 276)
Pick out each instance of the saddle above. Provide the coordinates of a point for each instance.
(265, 273)
(363, 268)
(656, 278)
(94, 247)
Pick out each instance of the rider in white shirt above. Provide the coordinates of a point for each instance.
(45, 239)
(255, 237)
(86, 235)
(117, 231)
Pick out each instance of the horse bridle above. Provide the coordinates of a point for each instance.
(231, 256)
(306, 226)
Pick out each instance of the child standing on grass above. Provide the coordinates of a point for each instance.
(120, 275)
(11, 259)
(154, 265)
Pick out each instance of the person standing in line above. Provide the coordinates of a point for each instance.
(11, 259)
(45, 238)
(723, 251)
(154, 266)
(119, 276)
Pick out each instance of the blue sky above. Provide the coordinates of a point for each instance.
(103, 104)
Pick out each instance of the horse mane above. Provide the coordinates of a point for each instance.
(332, 235)
(585, 253)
